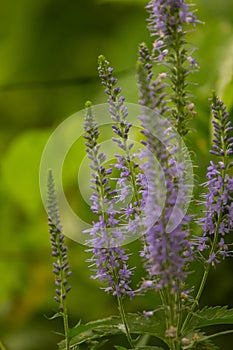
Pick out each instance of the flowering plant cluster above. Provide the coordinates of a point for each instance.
(156, 214)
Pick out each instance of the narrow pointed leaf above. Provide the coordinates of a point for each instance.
(57, 315)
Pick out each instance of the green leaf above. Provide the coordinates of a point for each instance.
(209, 316)
(138, 324)
(205, 345)
(140, 348)
(149, 348)
(197, 340)
(57, 315)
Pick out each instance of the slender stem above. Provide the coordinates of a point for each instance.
(124, 320)
(64, 311)
(131, 169)
(128, 159)
(216, 233)
(217, 334)
(199, 293)
(170, 303)
(66, 326)
(179, 312)
(204, 277)
(178, 87)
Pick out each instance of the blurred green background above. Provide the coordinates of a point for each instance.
(48, 59)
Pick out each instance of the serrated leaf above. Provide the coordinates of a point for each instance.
(149, 348)
(138, 324)
(209, 316)
(140, 348)
(197, 340)
(205, 345)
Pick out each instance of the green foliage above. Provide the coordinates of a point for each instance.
(210, 316)
(138, 324)
(48, 68)
(205, 345)
(141, 348)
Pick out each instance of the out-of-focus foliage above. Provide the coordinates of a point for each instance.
(48, 58)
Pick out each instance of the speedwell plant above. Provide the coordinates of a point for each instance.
(168, 244)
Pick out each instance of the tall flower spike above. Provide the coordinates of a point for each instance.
(167, 23)
(166, 253)
(128, 182)
(151, 92)
(218, 201)
(59, 250)
(109, 260)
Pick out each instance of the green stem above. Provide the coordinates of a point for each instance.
(64, 312)
(66, 326)
(217, 334)
(130, 164)
(172, 316)
(124, 320)
(199, 293)
(204, 277)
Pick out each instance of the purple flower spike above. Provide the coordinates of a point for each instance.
(151, 93)
(168, 24)
(59, 250)
(167, 15)
(109, 260)
(218, 220)
(128, 182)
(166, 252)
